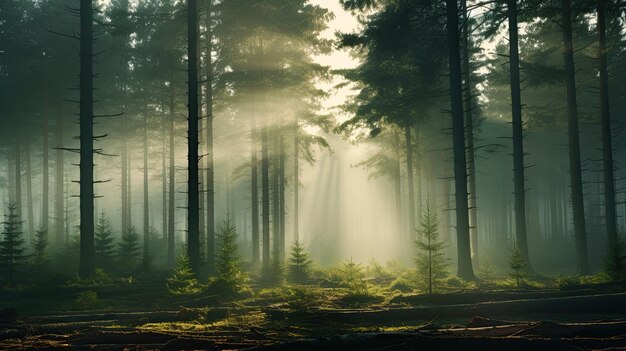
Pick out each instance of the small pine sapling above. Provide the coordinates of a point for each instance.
(104, 244)
(518, 266)
(353, 278)
(615, 260)
(11, 245)
(128, 249)
(230, 276)
(40, 245)
(182, 282)
(431, 260)
(299, 266)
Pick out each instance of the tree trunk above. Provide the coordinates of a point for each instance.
(607, 143)
(171, 211)
(86, 140)
(18, 176)
(193, 206)
(265, 199)
(469, 131)
(576, 186)
(164, 179)
(281, 198)
(124, 176)
(59, 205)
(409, 177)
(45, 216)
(146, 200)
(254, 176)
(296, 185)
(275, 197)
(397, 182)
(29, 197)
(464, 270)
(210, 172)
(521, 240)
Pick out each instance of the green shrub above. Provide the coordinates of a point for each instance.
(518, 267)
(615, 260)
(88, 299)
(98, 278)
(353, 278)
(431, 261)
(402, 285)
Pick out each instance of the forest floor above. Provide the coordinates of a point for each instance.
(140, 316)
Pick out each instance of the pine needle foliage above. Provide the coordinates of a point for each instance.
(182, 282)
(615, 260)
(518, 267)
(11, 245)
(40, 245)
(431, 261)
(299, 265)
(104, 242)
(353, 278)
(230, 276)
(128, 249)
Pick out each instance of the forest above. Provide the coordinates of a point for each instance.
(312, 174)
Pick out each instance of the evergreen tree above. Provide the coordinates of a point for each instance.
(11, 246)
(230, 276)
(431, 261)
(40, 244)
(299, 266)
(518, 266)
(104, 241)
(182, 282)
(128, 248)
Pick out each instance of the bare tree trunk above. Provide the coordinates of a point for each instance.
(171, 211)
(29, 197)
(521, 240)
(281, 198)
(164, 179)
(124, 185)
(397, 182)
(254, 176)
(146, 200)
(210, 171)
(86, 140)
(580, 232)
(409, 176)
(465, 269)
(469, 131)
(296, 185)
(265, 199)
(193, 208)
(18, 175)
(607, 142)
(45, 215)
(275, 198)
(59, 205)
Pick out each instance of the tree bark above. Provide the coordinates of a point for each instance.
(59, 207)
(254, 176)
(281, 198)
(464, 269)
(469, 131)
(521, 240)
(171, 211)
(265, 199)
(193, 206)
(580, 233)
(409, 177)
(210, 172)
(607, 142)
(86, 140)
(18, 176)
(45, 216)
(146, 201)
(397, 182)
(29, 196)
(296, 185)
(275, 197)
